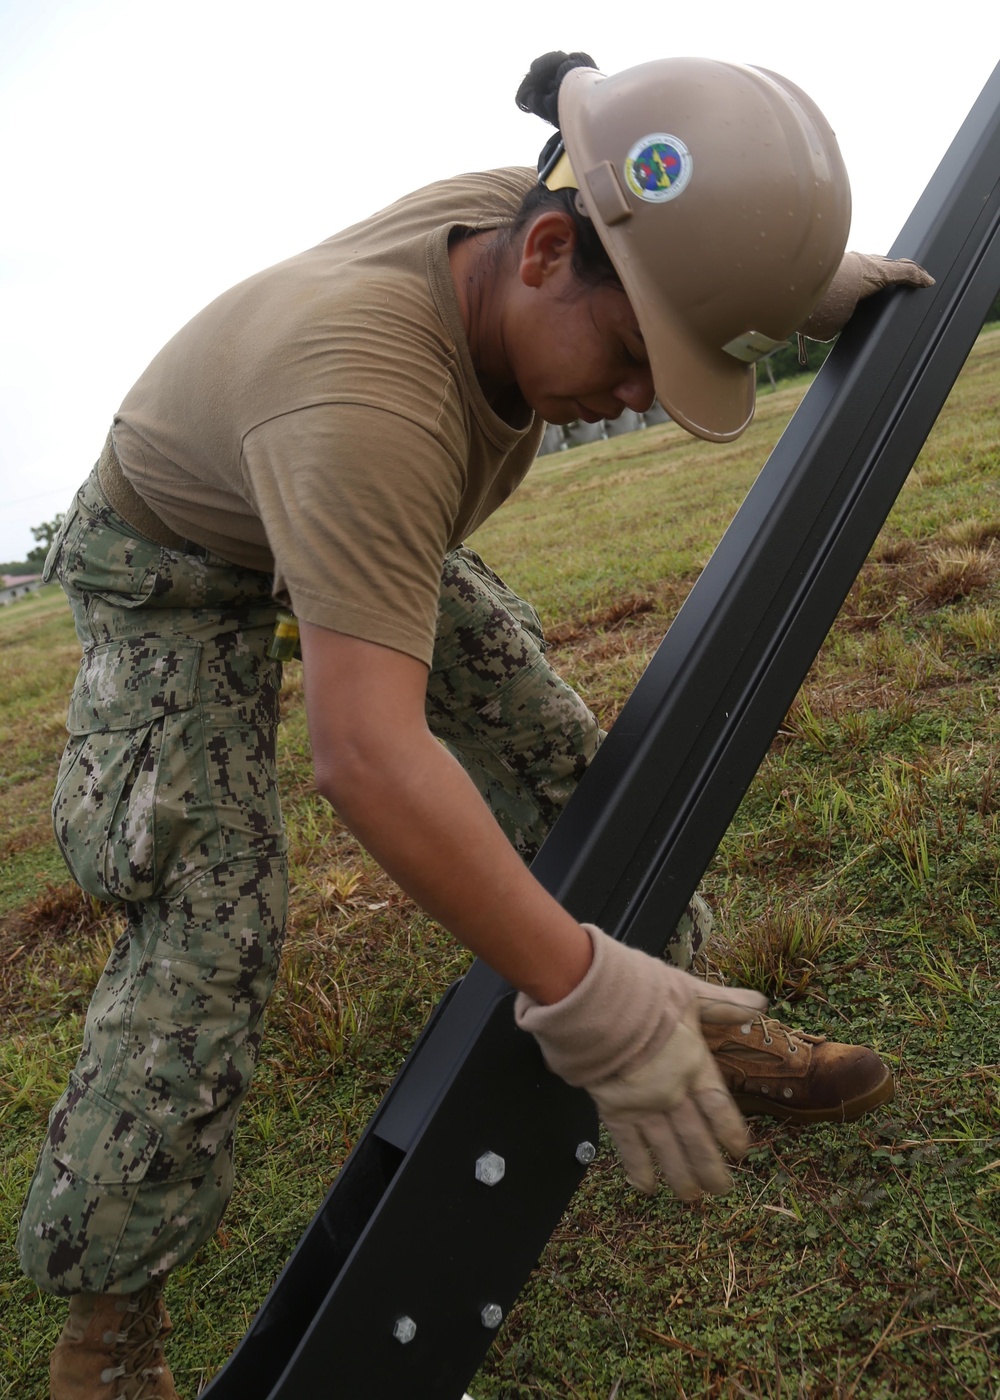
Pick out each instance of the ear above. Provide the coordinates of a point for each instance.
(548, 247)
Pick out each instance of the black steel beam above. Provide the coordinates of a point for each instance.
(396, 1286)
(672, 772)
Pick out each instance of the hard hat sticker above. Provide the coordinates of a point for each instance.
(658, 167)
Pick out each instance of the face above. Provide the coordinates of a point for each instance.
(575, 351)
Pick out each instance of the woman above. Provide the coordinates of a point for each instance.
(326, 434)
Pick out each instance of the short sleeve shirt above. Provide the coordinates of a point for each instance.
(322, 421)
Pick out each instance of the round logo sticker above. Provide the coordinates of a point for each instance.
(658, 167)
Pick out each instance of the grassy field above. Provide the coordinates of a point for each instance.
(858, 885)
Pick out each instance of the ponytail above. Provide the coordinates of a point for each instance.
(539, 90)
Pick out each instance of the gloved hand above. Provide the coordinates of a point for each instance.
(630, 1035)
(857, 277)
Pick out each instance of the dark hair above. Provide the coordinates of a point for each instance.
(539, 94)
(539, 90)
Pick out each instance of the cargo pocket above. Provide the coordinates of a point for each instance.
(97, 561)
(100, 556)
(88, 1177)
(116, 826)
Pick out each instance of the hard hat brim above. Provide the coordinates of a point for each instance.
(721, 197)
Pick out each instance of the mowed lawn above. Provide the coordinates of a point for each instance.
(858, 886)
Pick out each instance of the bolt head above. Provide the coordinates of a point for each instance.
(404, 1329)
(492, 1315)
(585, 1153)
(490, 1168)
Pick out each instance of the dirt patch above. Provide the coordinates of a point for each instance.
(51, 950)
(919, 576)
(29, 838)
(609, 619)
(603, 653)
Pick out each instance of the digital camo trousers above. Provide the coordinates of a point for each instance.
(518, 729)
(166, 802)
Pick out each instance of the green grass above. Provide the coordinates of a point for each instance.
(857, 885)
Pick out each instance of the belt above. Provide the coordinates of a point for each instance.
(125, 499)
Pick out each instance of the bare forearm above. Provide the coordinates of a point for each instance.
(423, 820)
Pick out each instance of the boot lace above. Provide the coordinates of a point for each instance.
(770, 1028)
(138, 1349)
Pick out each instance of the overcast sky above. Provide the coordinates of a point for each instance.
(153, 154)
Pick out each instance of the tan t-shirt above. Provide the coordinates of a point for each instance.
(322, 421)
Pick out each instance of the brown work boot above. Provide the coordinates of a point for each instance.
(789, 1074)
(111, 1348)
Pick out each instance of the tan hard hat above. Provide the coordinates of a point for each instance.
(721, 196)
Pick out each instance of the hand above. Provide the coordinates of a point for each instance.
(857, 277)
(630, 1035)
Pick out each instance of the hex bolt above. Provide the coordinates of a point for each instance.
(490, 1168)
(492, 1316)
(404, 1329)
(585, 1153)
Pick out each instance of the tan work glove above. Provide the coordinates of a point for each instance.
(857, 277)
(630, 1035)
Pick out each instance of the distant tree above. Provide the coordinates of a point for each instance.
(994, 312)
(44, 535)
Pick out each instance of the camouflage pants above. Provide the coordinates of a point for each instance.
(166, 801)
(518, 729)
